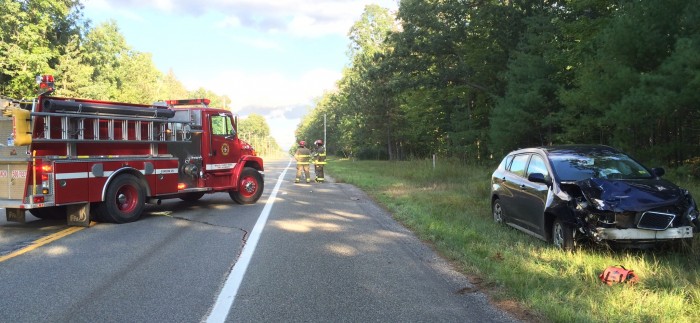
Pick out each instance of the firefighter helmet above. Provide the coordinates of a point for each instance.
(302, 143)
(318, 142)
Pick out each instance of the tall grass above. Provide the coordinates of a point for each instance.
(449, 207)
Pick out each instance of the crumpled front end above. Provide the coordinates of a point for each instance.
(633, 211)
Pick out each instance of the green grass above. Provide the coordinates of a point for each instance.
(449, 208)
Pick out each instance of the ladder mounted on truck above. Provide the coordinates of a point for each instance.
(85, 126)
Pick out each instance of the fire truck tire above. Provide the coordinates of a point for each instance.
(123, 202)
(192, 197)
(53, 212)
(250, 187)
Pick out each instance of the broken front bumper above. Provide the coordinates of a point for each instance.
(641, 234)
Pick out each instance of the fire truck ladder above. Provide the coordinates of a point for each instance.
(80, 128)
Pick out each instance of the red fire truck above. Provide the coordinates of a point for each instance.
(86, 159)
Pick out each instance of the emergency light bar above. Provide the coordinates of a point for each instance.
(45, 83)
(188, 102)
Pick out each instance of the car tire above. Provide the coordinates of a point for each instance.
(497, 212)
(563, 235)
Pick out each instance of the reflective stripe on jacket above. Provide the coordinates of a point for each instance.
(302, 156)
(320, 156)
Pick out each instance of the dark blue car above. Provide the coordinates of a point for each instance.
(570, 194)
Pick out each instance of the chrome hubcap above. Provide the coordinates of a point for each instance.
(121, 198)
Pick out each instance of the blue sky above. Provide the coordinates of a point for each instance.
(271, 57)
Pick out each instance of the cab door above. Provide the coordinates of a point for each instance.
(221, 156)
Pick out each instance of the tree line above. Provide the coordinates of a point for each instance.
(90, 62)
(474, 79)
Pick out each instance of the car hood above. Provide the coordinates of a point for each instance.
(630, 195)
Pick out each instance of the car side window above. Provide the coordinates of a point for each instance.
(505, 162)
(518, 165)
(537, 165)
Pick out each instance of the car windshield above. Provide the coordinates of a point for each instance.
(576, 167)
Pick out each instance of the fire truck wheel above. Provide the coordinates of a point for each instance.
(124, 201)
(53, 212)
(191, 197)
(250, 187)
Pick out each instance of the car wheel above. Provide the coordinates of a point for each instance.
(563, 235)
(497, 211)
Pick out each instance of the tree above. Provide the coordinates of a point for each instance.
(139, 79)
(254, 125)
(219, 101)
(525, 116)
(73, 75)
(33, 34)
(255, 130)
(104, 48)
(170, 88)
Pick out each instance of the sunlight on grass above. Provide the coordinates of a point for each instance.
(449, 207)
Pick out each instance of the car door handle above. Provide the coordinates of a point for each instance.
(523, 187)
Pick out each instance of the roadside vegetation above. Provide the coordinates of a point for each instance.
(448, 207)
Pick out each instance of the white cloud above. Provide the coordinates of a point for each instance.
(116, 9)
(306, 18)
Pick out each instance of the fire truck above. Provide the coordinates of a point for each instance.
(89, 160)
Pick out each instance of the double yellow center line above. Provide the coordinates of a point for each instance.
(43, 241)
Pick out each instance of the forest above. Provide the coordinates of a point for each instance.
(91, 62)
(473, 79)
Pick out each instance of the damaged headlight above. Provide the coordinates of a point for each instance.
(581, 204)
(692, 212)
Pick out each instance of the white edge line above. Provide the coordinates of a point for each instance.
(228, 293)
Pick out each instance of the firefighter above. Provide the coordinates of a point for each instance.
(319, 160)
(303, 157)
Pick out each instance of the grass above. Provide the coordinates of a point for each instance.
(448, 207)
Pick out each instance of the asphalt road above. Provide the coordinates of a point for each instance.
(314, 253)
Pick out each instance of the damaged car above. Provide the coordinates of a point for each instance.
(575, 194)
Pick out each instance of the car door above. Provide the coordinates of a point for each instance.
(513, 182)
(533, 196)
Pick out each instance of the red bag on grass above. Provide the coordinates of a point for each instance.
(614, 274)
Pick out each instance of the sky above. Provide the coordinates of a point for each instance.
(271, 57)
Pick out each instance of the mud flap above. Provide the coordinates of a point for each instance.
(78, 214)
(15, 215)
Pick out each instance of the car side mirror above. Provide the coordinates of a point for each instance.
(658, 171)
(538, 178)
